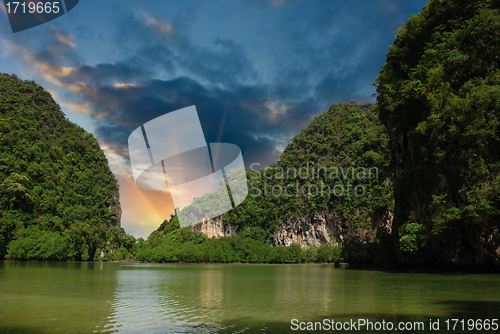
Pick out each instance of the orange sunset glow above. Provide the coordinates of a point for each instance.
(143, 210)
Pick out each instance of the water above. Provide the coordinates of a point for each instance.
(236, 298)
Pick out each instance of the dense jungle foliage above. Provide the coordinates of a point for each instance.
(338, 163)
(429, 151)
(439, 97)
(58, 198)
(171, 243)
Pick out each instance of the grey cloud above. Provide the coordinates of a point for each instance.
(317, 57)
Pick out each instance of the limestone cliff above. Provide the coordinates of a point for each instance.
(311, 229)
(214, 228)
(324, 228)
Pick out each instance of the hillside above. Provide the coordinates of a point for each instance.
(58, 198)
(336, 168)
(412, 180)
(434, 135)
(338, 163)
(439, 98)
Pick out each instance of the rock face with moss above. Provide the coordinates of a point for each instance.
(58, 197)
(439, 97)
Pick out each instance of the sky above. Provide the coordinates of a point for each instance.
(258, 71)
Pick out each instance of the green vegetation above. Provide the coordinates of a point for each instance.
(58, 198)
(339, 150)
(429, 151)
(171, 243)
(439, 97)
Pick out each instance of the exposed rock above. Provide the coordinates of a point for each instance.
(311, 229)
(323, 228)
(215, 228)
(317, 229)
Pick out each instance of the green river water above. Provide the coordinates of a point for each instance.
(232, 298)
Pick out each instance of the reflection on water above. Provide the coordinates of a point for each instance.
(148, 299)
(212, 298)
(211, 289)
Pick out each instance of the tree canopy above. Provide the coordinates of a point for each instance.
(58, 197)
(439, 97)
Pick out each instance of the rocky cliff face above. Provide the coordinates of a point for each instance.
(315, 229)
(215, 228)
(324, 228)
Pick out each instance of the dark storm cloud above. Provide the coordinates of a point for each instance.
(104, 75)
(251, 121)
(330, 58)
(257, 96)
(223, 62)
(220, 81)
(336, 51)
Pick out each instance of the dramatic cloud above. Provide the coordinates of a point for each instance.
(257, 72)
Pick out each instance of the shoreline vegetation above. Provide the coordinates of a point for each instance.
(433, 138)
(171, 243)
